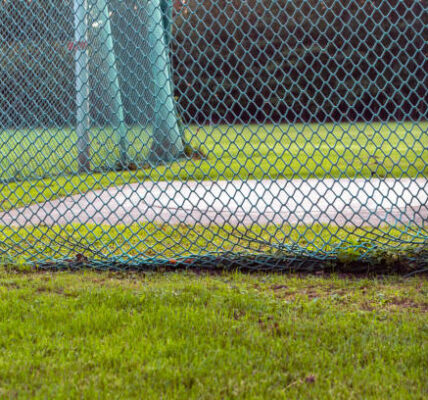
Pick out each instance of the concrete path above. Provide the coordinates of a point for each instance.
(346, 201)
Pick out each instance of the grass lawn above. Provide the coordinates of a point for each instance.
(233, 152)
(198, 336)
(158, 243)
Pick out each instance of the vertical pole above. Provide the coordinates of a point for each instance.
(108, 55)
(80, 48)
(167, 144)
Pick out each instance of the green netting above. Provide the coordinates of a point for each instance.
(88, 66)
(139, 132)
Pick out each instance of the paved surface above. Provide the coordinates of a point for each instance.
(347, 201)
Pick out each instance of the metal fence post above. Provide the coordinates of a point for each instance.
(80, 48)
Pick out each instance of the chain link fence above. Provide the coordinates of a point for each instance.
(257, 134)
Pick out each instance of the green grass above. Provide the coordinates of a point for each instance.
(229, 336)
(146, 242)
(53, 151)
(234, 152)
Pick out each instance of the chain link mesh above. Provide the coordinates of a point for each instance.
(271, 132)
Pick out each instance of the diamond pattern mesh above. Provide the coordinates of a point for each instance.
(140, 132)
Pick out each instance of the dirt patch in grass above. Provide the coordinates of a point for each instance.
(401, 302)
(360, 296)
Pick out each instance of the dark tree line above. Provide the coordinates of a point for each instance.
(302, 60)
